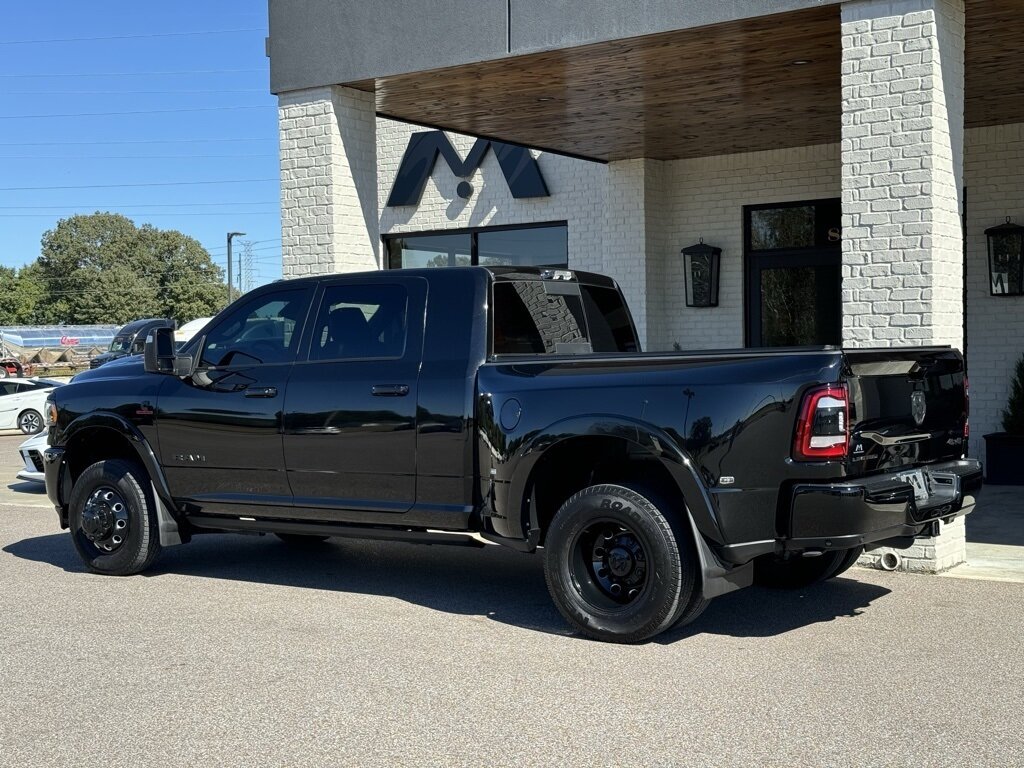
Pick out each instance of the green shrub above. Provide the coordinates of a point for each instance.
(1013, 415)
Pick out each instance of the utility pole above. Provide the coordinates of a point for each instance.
(230, 236)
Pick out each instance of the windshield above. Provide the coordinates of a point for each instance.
(120, 344)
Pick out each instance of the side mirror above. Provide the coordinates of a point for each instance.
(161, 356)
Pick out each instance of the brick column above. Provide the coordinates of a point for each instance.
(634, 237)
(329, 220)
(902, 171)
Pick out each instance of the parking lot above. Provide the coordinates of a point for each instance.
(240, 651)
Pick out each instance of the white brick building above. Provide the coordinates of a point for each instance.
(880, 118)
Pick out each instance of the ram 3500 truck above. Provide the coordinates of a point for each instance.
(514, 405)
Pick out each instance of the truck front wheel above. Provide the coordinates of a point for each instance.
(112, 519)
(619, 567)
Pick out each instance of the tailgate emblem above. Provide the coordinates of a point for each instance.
(918, 407)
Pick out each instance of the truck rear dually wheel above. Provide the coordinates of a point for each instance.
(619, 567)
(112, 518)
(797, 572)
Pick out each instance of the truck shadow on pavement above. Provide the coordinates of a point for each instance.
(502, 585)
(26, 486)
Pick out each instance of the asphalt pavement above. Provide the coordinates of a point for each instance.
(241, 651)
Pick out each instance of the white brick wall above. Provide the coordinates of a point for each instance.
(902, 78)
(994, 175)
(704, 198)
(620, 212)
(328, 181)
(577, 190)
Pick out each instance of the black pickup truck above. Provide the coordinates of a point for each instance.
(474, 405)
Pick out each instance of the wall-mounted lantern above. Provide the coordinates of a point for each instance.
(1006, 259)
(701, 264)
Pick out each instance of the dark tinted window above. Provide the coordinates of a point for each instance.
(440, 250)
(535, 245)
(541, 317)
(262, 330)
(532, 246)
(611, 329)
(360, 321)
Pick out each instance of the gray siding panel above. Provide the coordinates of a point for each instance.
(325, 42)
(549, 24)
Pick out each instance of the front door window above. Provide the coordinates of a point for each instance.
(794, 277)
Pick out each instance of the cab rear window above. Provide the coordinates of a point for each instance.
(538, 317)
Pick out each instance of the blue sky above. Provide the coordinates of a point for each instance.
(212, 120)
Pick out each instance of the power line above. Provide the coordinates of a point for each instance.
(132, 37)
(146, 184)
(134, 157)
(216, 248)
(131, 141)
(133, 74)
(132, 93)
(145, 215)
(138, 205)
(140, 112)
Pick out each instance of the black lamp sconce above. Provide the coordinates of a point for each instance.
(702, 264)
(1006, 259)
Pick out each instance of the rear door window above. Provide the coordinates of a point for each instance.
(361, 321)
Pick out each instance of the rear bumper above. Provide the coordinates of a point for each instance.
(881, 507)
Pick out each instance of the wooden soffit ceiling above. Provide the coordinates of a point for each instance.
(743, 86)
(714, 90)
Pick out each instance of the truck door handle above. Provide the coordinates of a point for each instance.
(261, 392)
(389, 390)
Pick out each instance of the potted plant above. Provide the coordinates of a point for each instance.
(1004, 451)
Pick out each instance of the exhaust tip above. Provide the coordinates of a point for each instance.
(889, 561)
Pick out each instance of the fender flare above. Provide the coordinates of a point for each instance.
(647, 437)
(170, 532)
(717, 578)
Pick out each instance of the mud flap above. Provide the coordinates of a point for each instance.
(167, 526)
(718, 579)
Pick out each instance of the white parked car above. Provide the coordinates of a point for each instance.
(22, 403)
(32, 454)
(190, 329)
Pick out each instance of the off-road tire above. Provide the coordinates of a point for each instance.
(130, 486)
(847, 562)
(669, 564)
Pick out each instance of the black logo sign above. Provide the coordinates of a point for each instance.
(517, 165)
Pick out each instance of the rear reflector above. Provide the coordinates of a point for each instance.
(823, 429)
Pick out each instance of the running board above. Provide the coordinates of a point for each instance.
(214, 523)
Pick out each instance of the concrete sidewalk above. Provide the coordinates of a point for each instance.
(995, 536)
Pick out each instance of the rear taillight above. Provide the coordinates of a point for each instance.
(823, 429)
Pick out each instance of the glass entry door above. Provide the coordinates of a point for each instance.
(794, 277)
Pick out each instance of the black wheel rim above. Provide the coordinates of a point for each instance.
(31, 423)
(609, 564)
(104, 521)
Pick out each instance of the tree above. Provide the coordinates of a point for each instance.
(1013, 414)
(20, 293)
(101, 268)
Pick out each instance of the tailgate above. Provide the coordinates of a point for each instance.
(907, 407)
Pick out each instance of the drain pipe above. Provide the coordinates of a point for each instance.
(889, 561)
